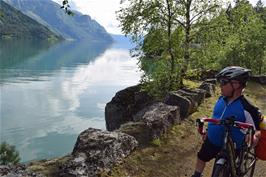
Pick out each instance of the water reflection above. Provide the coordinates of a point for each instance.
(75, 81)
(13, 52)
(31, 60)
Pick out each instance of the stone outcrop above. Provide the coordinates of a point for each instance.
(96, 151)
(211, 80)
(207, 74)
(136, 119)
(152, 122)
(17, 171)
(124, 105)
(209, 87)
(175, 99)
(200, 94)
(259, 79)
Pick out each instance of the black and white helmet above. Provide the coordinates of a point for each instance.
(234, 73)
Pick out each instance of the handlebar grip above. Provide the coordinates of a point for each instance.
(200, 124)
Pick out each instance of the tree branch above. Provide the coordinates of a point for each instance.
(202, 13)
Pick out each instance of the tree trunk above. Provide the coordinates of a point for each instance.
(187, 42)
(170, 51)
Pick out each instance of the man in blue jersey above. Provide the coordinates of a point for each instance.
(232, 82)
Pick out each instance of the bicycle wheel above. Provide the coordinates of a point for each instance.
(250, 171)
(249, 163)
(220, 170)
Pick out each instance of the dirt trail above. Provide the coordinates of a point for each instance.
(174, 155)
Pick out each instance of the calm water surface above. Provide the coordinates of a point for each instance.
(49, 94)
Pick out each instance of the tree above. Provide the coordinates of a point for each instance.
(66, 7)
(191, 13)
(8, 154)
(165, 18)
(235, 37)
(150, 19)
(247, 38)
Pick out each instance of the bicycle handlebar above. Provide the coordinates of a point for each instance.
(228, 122)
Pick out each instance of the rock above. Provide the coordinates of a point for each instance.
(200, 94)
(175, 99)
(138, 130)
(155, 120)
(124, 105)
(96, 151)
(259, 79)
(160, 117)
(206, 74)
(193, 97)
(17, 171)
(211, 80)
(210, 88)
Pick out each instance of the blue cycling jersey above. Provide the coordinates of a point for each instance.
(222, 110)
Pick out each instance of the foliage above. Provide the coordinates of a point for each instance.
(78, 27)
(156, 142)
(8, 154)
(176, 38)
(14, 24)
(156, 80)
(66, 7)
(163, 31)
(235, 37)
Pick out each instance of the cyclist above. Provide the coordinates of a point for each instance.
(232, 80)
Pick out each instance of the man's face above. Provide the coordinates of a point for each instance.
(228, 86)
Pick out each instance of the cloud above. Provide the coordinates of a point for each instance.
(103, 11)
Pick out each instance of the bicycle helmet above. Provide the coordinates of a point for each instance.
(234, 73)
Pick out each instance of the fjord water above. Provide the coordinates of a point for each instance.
(51, 93)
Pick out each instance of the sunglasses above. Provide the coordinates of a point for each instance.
(223, 81)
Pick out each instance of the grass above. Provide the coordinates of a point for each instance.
(177, 151)
(172, 154)
(156, 142)
(167, 154)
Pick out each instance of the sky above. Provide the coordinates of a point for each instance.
(103, 11)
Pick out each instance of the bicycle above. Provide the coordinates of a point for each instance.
(230, 162)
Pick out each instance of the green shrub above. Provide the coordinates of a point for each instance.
(156, 142)
(8, 154)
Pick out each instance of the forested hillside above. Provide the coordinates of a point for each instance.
(181, 39)
(49, 13)
(14, 24)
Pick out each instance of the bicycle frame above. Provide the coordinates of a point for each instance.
(227, 160)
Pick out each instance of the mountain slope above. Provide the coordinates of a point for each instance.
(14, 24)
(50, 14)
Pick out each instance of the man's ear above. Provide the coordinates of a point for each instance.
(240, 86)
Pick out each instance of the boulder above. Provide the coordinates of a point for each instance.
(17, 171)
(200, 94)
(152, 122)
(184, 104)
(138, 130)
(259, 79)
(207, 74)
(124, 105)
(192, 98)
(96, 151)
(160, 117)
(210, 88)
(211, 80)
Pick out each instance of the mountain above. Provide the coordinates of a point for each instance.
(121, 41)
(49, 13)
(14, 24)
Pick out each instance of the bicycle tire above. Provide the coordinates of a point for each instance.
(251, 164)
(231, 156)
(246, 162)
(220, 170)
(250, 173)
